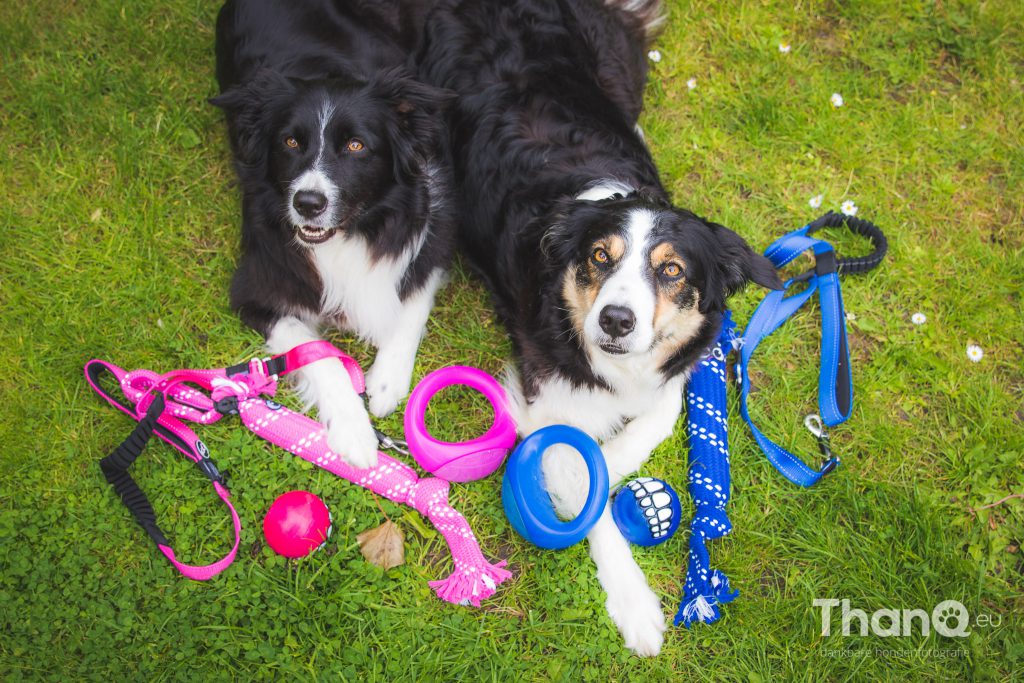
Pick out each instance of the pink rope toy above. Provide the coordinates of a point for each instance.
(238, 390)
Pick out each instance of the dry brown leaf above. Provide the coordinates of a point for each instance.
(383, 546)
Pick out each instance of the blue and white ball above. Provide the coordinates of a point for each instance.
(647, 511)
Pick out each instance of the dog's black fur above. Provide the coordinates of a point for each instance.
(277, 63)
(549, 96)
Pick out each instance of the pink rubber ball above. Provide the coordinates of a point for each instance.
(297, 524)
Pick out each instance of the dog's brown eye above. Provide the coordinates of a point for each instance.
(672, 270)
(291, 142)
(355, 145)
(600, 256)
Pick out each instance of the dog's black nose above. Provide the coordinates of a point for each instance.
(309, 204)
(617, 321)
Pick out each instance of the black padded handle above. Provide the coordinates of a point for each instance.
(115, 470)
(855, 264)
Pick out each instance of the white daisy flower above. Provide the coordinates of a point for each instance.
(816, 200)
(654, 56)
(836, 100)
(848, 208)
(784, 48)
(851, 316)
(691, 84)
(919, 318)
(974, 353)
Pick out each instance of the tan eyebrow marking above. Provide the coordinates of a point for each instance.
(662, 254)
(614, 245)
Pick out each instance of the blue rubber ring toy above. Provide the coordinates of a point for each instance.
(527, 503)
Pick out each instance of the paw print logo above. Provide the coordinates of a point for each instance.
(655, 502)
(950, 619)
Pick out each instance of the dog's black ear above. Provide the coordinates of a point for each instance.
(736, 264)
(248, 108)
(417, 128)
(409, 96)
(564, 237)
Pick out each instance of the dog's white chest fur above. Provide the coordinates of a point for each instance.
(362, 291)
(598, 412)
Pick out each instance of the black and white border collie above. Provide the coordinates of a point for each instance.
(610, 294)
(345, 214)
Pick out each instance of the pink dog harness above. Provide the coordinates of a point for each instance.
(161, 404)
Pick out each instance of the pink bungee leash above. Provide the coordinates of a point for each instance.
(161, 404)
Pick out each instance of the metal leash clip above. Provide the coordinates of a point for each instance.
(816, 427)
(388, 444)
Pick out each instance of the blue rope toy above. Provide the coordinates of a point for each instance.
(706, 588)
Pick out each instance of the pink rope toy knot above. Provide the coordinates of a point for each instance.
(474, 578)
(428, 495)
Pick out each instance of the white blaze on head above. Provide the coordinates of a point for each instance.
(315, 178)
(629, 287)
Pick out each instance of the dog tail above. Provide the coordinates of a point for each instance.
(649, 15)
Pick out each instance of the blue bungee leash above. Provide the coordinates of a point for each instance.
(705, 588)
(835, 386)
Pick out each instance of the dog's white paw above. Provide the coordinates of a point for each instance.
(637, 615)
(387, 384)
(350, 435)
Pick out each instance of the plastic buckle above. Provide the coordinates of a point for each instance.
(260, 367)
(206, 466)
(227, 405)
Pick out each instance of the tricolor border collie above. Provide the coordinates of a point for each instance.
(345, 214)
(609, 293)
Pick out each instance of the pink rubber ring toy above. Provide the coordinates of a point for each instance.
(464, 460)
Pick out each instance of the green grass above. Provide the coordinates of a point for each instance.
(119, 233)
